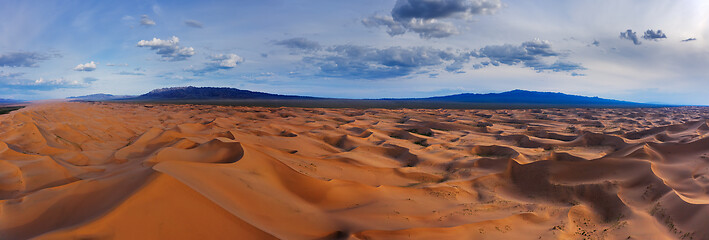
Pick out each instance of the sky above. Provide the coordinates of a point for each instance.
(637, 50)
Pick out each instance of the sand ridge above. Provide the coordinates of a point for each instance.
(132, 171)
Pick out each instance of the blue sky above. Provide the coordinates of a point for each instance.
(646, 51)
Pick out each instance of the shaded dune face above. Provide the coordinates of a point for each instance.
(127, 171)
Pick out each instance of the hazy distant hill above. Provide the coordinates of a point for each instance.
(528, 97)
(99, 97)
(510, 99)
(210, 93)
(9, 101)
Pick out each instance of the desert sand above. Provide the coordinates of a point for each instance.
(135, 171)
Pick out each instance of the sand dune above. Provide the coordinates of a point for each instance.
(129, 171)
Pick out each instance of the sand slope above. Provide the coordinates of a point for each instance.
(129, 171)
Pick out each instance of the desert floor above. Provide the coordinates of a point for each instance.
(135, 171)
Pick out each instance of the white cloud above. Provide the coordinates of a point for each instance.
(86, 67)
(45, 84)
(127, 18)
(146, 21)
(218, 61)
(226, 60)
(117, 64)
(169, 50)
(193, 23)
(55, 81)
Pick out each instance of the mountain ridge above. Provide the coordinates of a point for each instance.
(509, 99)
(10, 101)
(194, 93)
(99, 97)
(525, 96)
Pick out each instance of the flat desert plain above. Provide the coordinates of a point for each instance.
(136, 171)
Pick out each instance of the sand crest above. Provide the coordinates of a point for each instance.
(130, 171)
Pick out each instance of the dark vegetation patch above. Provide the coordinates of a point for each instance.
(6, 110)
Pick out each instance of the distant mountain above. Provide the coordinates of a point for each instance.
(9, 101)
(210, 93)
(527, 97)
(510, 99)
(99, 97)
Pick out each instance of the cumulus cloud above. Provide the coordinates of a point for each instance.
(193, 23)
(86, 67)
(21, 59)
(393, 27)
(689, 40)
(436, 9)
(17, 81)
(531, 54)
(226, 61)
(169, 50)
(43, 84)
(630, 35)
(536, 54)
(361, 62)
(5, 76)
(654, 35)
(136, 72)
(364, 62)
(425, 28)
(647, 35)
(511, 54)
(558, 66)
(424, 16)
(431, 28)
(146, 21)
(54, 83)
(218, 62)
(299, 44)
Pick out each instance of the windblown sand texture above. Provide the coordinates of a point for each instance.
(129, 171)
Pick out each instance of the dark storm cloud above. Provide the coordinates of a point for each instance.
(405, 10)
(689, 40)
(654, 35)
(630, 35)
(299, 44)
(21, 59)
(424, 16)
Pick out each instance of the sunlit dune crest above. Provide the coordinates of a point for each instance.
(135, 171)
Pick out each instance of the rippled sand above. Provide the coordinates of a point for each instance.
(127, 171)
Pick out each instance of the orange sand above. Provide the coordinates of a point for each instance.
(128, 171)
